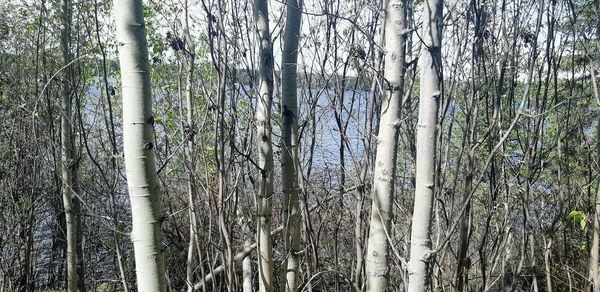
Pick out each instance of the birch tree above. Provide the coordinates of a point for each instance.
(515, 174)
(67, 164)
(289, 151)
(430, 64)
(138, 142)
(264, 146)
(377, 265)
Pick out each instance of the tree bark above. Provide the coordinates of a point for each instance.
(247, 261)
(138, 137)
(378, 247)
(265, 147)
(289, 151)
(430, 94)
(67, 165)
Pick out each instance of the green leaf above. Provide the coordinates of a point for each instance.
(578, 217)
(575, 214)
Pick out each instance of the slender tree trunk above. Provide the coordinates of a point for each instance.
(190, 130)
(138, 138)
(548, 262)
(28, 241)
(247, 261)
(289, 151)
(378, 250)
(430, 94)
(465, 226)
(264, 146)
(222, 190)
(66, 149)
(594, 274)
(359, 238)
(593, 263)
(78, 231)
(463, 262)
(118, 251)
(359, 230)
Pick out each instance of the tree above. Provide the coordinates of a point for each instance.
(430, 64)
(594, 273)
(378, 249)
(289, 145)
(138, 144)
(514, 178)
(190, 125)
(68, 164)
(264, 146)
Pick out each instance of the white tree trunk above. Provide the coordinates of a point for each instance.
(247, 261)
(138, 138)
(377, 265)
(66, 150)
(430, 64)
(289, 151)
(265, 147)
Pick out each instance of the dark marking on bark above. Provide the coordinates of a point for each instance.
(267, 59)
(286, 112)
